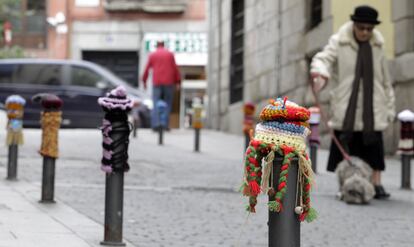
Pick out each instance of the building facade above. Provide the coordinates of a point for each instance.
(262, 49)
(119, 35)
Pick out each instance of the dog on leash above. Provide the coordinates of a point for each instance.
(355, 185)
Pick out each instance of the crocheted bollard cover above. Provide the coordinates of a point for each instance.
(14, 106)
(115, 130)
(283, 129)
(50, 119)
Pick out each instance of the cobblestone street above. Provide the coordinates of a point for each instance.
(176, 197)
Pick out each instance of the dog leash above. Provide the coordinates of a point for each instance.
(325, 121)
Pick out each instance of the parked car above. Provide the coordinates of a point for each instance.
(78, 83)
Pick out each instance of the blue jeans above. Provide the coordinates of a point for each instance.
(166, 93)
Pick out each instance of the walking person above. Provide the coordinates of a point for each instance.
(361, 96)
(165, 79)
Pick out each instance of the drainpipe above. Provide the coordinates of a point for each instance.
(279, 48)
(219, 65)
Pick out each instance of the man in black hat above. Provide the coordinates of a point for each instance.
(362, 97)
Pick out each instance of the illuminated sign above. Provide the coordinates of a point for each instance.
(177, 42)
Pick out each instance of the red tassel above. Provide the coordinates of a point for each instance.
(302, 216)
(254, 188)
(252, 208)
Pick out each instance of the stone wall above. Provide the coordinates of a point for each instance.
(276, 44)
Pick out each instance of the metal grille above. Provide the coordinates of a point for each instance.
(236, 59)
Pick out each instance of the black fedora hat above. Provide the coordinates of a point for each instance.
(365, 14)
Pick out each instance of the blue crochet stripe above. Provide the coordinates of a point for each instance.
(293, 128)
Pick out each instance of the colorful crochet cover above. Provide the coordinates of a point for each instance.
(15, 107)
(283, 129)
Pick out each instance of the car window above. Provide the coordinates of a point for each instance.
(84, 77)
(6, 73)
(46, 74)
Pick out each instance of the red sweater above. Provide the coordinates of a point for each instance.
(164, 69)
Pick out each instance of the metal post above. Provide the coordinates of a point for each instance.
(48, 180)
(117, 130)
(314, 141)
(406, 171)
(284, 227)
(314, 155)
(162, 119)
(114, 193)
(160, 135)
(197, 140)
(246, 141)
(12, 162)
(114, 201)
(135, 130)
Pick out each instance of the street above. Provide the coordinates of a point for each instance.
(176, 197)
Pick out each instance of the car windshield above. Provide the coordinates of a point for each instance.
(113, 77)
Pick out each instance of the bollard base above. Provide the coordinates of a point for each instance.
(11, 179)
(406, 172)
(47, 201)
(109, 243)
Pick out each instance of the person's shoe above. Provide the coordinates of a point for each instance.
(380, 192)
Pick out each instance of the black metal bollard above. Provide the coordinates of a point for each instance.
(246, 141)
(51, 117)
(115, 131)
(48, 180)
(197, 140)
(114, 192)
(284, 227)
(162, 120)
(12, 162)
(160, 135)
(406, 146)
(406, 171)
(313, 138)
(314, 156)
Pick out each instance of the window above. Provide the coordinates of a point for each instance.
(236, 57)
(315, 15)
(6, 73)
(84, 77)
(27, 18)
(45, 74)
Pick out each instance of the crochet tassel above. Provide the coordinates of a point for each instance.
(312, 215)
(275, 206)
(254, 188)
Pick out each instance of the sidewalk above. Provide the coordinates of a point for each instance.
(179, 198)
(26, 222)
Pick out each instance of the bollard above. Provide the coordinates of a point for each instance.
(135, 117)
(197, 122)
(406, 146)
(115, 131)
(314, 141)
(162, 120)
(276, 163)
(14, 107)
(50, 119)
(12, 162)
(248, 122)
(284, 227)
